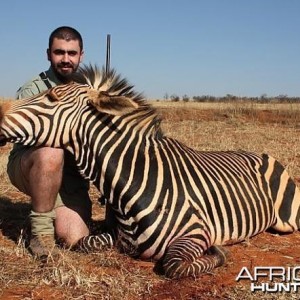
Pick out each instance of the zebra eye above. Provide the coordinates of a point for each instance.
(52, 96)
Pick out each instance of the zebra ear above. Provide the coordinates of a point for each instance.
(112, 104)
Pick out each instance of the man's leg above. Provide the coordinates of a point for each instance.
(70, 224)
(74, 208)
(40, 178)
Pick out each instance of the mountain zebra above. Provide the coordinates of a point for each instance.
(166, 201)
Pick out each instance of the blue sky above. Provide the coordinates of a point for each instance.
(174, 47)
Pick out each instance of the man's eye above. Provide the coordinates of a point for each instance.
(63, 52)
(59, 52)
(72, 53)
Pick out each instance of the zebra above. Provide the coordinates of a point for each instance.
(166, 202)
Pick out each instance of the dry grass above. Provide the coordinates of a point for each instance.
(269, 128)
(262, 128)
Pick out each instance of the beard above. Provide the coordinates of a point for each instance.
(64, 71)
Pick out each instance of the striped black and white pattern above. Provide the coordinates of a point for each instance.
(166, 201)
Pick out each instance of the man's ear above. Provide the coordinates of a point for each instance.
(48, 54)
(112, 104)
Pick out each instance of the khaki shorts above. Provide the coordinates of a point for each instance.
(74, 189)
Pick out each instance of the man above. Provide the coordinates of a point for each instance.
(59, 195)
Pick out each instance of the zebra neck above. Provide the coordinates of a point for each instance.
(112, 151)
(124, 163)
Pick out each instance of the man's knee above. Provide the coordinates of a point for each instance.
(31, 170)
(46, 159)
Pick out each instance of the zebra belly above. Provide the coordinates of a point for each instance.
(225, 237)
(234, 240)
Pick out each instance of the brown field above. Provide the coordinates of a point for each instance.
(269, 128)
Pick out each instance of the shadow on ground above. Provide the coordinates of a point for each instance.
(13, 217)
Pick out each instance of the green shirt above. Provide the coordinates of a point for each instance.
(37, 85)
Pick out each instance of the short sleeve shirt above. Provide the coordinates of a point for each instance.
(38, 85)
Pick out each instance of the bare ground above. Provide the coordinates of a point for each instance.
(112, 275)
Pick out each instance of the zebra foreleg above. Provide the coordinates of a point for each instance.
(190, 261)
(95, 243)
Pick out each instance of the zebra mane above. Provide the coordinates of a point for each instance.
(113, 84)
(110, 82)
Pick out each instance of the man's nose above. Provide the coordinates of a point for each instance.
(66, 57)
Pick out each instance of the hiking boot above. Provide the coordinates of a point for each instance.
(42, 246)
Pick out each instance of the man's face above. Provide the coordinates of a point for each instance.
(65, 57)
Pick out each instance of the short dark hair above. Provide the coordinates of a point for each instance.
(66, 33)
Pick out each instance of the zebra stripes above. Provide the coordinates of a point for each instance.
(166, 201)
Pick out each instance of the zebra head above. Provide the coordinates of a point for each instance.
(52, 118)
